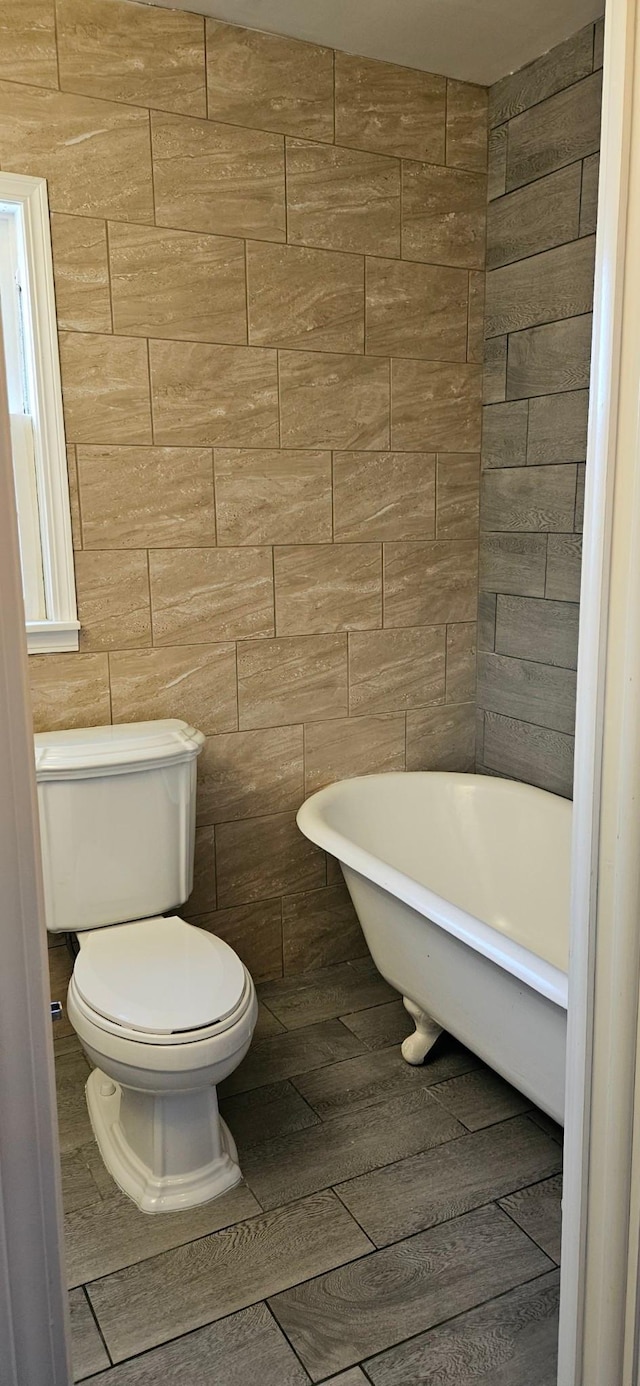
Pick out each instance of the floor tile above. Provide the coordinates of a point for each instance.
(332, 991)
(538, 1211)
(113, 1234)
(274, 1110)
(371, 1077)
(480, 1098)
(429, 1188)
(380, 1025)
(337, 1319)
(183, 1289)
(510, 1342)
(72, 1071)
(88, 1351)
(79, 1188)
(298, 1164)
(353, 1378)
(242, 1349)
(546, 1123)
(266, 1023)
(277, 1057)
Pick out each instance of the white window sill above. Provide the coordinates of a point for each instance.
(52, 637)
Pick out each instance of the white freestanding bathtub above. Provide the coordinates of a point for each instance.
(461, 885)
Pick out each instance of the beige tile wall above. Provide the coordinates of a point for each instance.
(270, 305)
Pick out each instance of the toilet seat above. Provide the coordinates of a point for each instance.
(158, 981)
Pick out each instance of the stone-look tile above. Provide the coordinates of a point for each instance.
(343, 748)
(74, 497)
(540, 630)
(299, 679)
(333, 401)
(210, 594)
(486, 620)
(320, 928)
(196, 683)
(536, 755)
(371, 1078)
(135, 497)
(525, 689)
(81, 274)
(105, 388)
(550, 359)
(255, 934)
(69, 690)
(390, 109)
(301, 298)
(555, 133)
(534, 218)
(497, 161)
(88, 1352)
(224, 396)
(430, 1188)
(315, 997)
(458, 495)
(494, 380)
(558, 428)
(380, 1026)
(461, 662)
(113, 599)
(427, 584)
(243, 1347)
(392, 670)
(124, 54)
(280, 1056)
(325, 588)
(504, 434)
(435, 406)
(538, 1212)
(265, 1113)
(28, 42)
(555, 284)
(441, 738)
(259, 858)
(443, 215)
(273, 497)
(475, 327)
(416, 310)
(514, 564)
(245, 774)
(245, 1262)
(510, 1342)
(529, 499)
(565, 64)
(94, 154)
(295, 1165)
(467, 122)
(342, 199)
(383, 495)
(222, 178)
(269, 81)
(113, 1234)
(589, 199)
(177, 284)
(564, 562)
(203, 896)
(394, 1294)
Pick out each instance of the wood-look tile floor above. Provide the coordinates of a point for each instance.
(396, 1226)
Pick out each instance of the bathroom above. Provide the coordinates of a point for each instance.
(321, 315)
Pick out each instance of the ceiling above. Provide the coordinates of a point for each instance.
(474, 40)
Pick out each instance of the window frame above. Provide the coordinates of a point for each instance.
(59, 630)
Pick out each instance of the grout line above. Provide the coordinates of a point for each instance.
(519, 1225)
(94, 1316)
(287, 1339)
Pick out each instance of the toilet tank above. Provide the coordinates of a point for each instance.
(117, 821)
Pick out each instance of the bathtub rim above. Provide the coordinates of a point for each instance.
(505, 952)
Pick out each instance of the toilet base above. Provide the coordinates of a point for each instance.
(166, 1172)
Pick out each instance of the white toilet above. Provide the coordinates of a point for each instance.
(163, 1010)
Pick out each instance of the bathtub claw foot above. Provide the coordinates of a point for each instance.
(416, 1047)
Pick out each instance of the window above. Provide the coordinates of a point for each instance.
(27, 311)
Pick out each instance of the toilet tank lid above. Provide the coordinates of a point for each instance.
(85, 751)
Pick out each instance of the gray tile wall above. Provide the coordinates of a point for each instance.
(543, 167)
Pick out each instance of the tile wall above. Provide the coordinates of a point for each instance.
(269, 264)
(543, 176)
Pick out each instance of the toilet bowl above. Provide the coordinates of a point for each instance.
(163, 1010)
